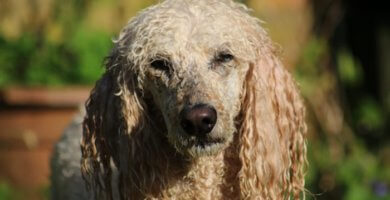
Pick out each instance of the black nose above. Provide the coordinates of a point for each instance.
(198, 120)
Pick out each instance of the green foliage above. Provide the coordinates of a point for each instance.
(369, 114)
(8, 193)
(32, 61)
(341, 165)
(348, 68)
(94, 47)
(307, 74)
(35, 59)
(357, 172)
(5, 191)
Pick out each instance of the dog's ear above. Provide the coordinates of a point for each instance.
(113, 112)
(272, 143)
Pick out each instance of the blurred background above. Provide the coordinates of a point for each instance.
(51, 53)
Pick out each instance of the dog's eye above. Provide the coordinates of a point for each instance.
(224, 57)
(161, 64)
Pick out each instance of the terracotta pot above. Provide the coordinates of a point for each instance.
(31, 121)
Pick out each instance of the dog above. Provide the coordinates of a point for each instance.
(194, 104)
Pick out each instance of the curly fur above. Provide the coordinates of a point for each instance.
(132, 113)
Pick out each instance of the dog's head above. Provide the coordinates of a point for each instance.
(194, 66)
(197, 73)
(190, 64)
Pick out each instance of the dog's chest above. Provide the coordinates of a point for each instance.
(214, 178)
(204, 181)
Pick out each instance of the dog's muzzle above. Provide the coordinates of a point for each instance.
(198, 120)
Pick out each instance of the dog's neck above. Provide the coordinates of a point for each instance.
(157, 170)
(154, 168)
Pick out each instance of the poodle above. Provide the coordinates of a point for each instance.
(194, 104)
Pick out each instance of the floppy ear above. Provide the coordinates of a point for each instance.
(272, 134)
(113, 111)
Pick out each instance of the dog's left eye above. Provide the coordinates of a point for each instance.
(224, 57)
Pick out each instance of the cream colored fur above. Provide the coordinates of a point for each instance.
(133, 112)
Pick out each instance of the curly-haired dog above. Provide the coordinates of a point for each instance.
(195, 104)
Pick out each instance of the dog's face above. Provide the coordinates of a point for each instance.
(194, 69)
(199, 97)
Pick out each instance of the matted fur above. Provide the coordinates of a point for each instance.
(132, 112)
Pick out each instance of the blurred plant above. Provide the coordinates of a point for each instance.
(8, 193)
(341, 166)
(5, 191)
(349, 70)
(369, 114)
(59, 44)
(28, 61)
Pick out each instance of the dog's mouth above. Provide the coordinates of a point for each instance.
(205, 146)
(207, 142)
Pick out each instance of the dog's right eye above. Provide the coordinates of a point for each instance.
(161, 64)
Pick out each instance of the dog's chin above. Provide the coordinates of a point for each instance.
(194, 147)
(200, 148)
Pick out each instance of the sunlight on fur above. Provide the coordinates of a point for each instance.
(195, 104)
